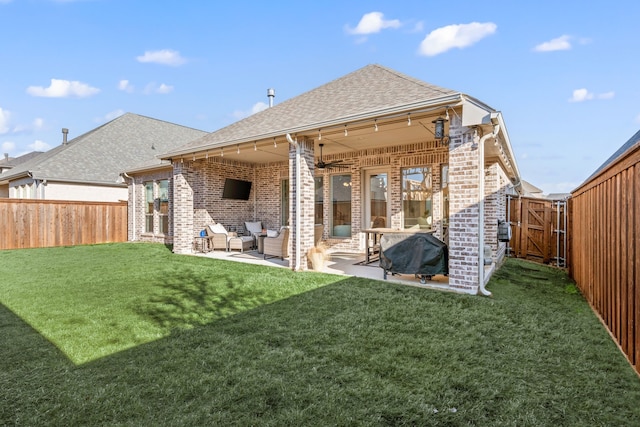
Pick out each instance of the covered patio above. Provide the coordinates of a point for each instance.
(374, 148)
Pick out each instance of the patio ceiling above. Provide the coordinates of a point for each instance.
(397, 130)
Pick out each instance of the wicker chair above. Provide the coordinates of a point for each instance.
(218, 236)
(277, 246)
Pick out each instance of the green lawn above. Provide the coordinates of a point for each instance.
(130, 334)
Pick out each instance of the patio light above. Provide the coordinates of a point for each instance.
(439, 128)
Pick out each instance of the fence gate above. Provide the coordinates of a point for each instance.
(539, 229)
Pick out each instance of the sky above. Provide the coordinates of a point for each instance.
(564, 74)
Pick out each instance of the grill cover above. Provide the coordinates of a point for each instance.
(413, 253)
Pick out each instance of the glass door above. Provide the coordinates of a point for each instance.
(376, 208)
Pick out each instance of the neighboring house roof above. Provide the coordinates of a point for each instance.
(558, 196)
(530, 190)
(100, 155)
(11, 162)
(635, 139)
(366, 92)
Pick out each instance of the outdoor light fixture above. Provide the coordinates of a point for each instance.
(439, 128)
(275, 145)
(375, 125)
(408, 119)
(319, 134)
(221, 153)
(255, 147)
(238, 150)
(345, 131)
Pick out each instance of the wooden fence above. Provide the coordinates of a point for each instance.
(605, 232)
(539, 230)
(44, 223)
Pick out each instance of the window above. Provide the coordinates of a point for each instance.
(149, 207)
(341, 205)
(163, 212)
(319, 200)
(284, 202)
(417, 195)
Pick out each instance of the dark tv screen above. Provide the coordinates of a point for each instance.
(236, 189)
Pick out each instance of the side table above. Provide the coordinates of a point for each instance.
(260, 238)
(200, 241)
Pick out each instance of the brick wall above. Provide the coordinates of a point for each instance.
(137, 208)
(197, 188)
(464, 212)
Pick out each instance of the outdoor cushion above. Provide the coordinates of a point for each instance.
(253, 227)
(272, 233)
(218, 228)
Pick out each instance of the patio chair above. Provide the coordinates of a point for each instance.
(277, 246)
(218, 236)
(254, 229)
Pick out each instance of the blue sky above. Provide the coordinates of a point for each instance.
(565, 74)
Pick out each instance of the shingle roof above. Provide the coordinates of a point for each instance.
(365, 91)
(100, 155)
(12, 162)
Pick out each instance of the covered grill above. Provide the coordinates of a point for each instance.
(421, 254)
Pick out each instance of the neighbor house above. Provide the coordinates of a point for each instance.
(88, 167)
(9, 163)
(372, 148)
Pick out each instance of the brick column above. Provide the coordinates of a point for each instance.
(306, 190)
(183, 230)
(463, 210)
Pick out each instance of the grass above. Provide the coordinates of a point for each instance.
(131, 334)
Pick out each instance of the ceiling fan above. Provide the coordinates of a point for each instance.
(327, 165)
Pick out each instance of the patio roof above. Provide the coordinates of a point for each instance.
(370, 92)
(369, 108)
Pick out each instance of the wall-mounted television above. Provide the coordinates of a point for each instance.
(236, 189)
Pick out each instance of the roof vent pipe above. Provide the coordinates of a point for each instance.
(271, 93)
(65, 131)
(6, 157)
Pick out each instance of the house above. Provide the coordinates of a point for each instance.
(374, 146)
(88, 167)
(9, 163)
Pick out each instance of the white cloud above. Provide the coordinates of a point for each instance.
(125, 86)
(606, 95)
(38, 123)
(580, 95)
(163, 88)
(373, 22)
(4, 120)
(8, 147)
(560, 43)
(164, 56)
(63, 89)
(5, 1)
(458, 36)
(155, 88)
(257, 107)
(418, 28)
(113, 115)
(39, 145)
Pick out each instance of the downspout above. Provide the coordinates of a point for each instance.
(496, 129)
(133, 206)
(297, 200)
